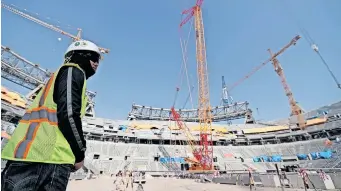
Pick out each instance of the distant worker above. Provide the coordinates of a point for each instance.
(251, 179)
(119, 181)
(48, 143)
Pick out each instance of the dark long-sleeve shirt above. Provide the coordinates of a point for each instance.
(68, 97)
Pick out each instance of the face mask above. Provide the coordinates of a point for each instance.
(87, 60)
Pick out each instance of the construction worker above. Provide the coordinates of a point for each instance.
(119, 181)
(48, 143)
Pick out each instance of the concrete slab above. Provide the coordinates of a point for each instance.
(161, 184)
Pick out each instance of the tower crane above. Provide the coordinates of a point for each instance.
(205, 156)
(295, 108)
(46, 25)
(254, 70)
(226, 97)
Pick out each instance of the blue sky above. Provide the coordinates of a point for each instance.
(146, 57)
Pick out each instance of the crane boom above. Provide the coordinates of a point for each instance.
(295, 108)
(44, 24)
(253, 71)
(205, 117)
(190, 138)
(205, 150)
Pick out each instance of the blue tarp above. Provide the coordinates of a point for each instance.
(266, 158)
(172, 159)
(122, 128)
(302, 157)
(315, 155)
(256, 159)
(326, 154)
(276, 158)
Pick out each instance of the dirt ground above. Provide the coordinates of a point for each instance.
(160, 184)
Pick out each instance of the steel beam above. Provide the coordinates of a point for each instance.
(235, 111)
(19, 70)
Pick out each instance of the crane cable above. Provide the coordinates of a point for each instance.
(310, 41)
(184, 70)
(185, 66)
(188, 97)
(315, 48)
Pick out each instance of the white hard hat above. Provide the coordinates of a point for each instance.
(83, 45)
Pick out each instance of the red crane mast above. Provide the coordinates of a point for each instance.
(204, 154)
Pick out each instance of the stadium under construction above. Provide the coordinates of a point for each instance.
(300, 151)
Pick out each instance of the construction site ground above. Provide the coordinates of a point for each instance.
(161, 184)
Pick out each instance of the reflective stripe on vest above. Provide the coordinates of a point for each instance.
(34, 117)
(41, 114)
(46, 91)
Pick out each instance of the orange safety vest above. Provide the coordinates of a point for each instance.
(37, 137)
